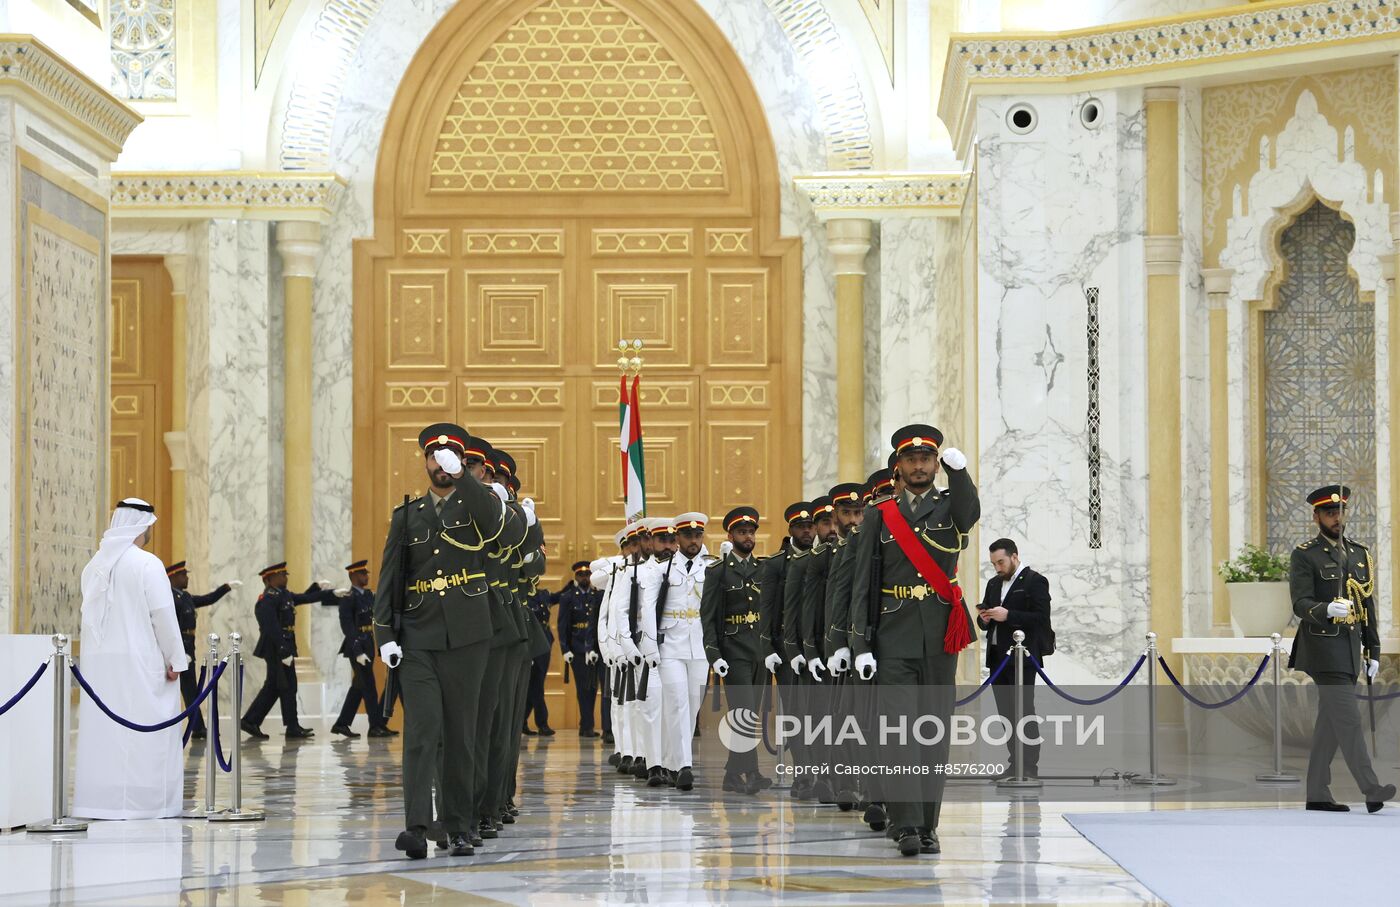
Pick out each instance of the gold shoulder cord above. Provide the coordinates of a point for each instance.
(1358, 592)
(463, 545)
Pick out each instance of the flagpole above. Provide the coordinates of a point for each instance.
(630, 430)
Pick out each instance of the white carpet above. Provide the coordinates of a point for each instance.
(1232, 856)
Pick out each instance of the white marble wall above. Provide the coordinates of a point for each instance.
(8, 239)
(1301, 161)
(1060, 210)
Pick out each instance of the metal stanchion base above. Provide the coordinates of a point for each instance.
(1277, 778)
(1153, 781)
(1019, 784)
(199, 812)
(238, 815)
(56, 826)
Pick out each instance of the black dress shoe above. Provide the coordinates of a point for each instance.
(476, 839)
(875, 817)
(1327, 806)
(512, 808)
(413, 844)
(656, 776)
(825, 793)
(344, 731)
(625, 766)
(1381, 795)
(198, 734)
(460, 846)
(498, 824)
(758, 781)
(685, 779)
(608, 738)
(639, 769)
(546, 731)
(379, 732)
(301, 733)
(670, 778)
(615, 759)
(507, 818)
(527, 732)
(583, 733)
(252, 730)
(487, 829)
(391, 731)
(735, 783)
(928, 842)
(846, 800)
(908, 842)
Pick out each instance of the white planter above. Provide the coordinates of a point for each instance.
(1259, 609)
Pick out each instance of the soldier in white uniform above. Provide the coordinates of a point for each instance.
(647, 708)
(628, 658)
(605, 569)
(681, 643)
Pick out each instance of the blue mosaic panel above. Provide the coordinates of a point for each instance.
(1319, 383)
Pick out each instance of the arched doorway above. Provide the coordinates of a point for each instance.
(556, 175)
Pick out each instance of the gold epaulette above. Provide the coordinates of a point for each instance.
(1308, 544)
(874, 502)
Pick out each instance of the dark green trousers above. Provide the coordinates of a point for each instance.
(441, 691)
(522, 708)
(913, 687)
(505, 728)
(485, 726)
(743, 689)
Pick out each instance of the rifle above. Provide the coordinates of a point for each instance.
(391, 675)
(873, 603)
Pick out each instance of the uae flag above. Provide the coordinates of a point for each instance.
(630, 443)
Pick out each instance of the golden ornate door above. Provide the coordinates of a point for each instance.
(556, 176)
(140, 353)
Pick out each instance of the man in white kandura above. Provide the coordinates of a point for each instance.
(674, 619)
(132, 656)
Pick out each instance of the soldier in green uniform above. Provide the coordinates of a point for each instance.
(800, 639)
(1332, 582)
(913, 619)
(433, 624)
(729, 614)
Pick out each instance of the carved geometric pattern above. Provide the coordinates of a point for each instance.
(1091, 299)
(25, 62)
(651, 306)
(577, 96)
(126, 405)
(739, 318)
(513, 318)
(654, 393)
(641, 242)
(405, 475)
(513, 242)
(669, 454)
(143, 49)
(231, 194)
(542, 460)
(527, 395)
(126, 328)
(735, 454)
(425, 242)
(417, 333)
(722, 394)
(417, 396)
(886, 192)
(1319, 382)
(728, 241)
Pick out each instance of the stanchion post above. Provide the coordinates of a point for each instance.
(1278, 775)
(61, 821)
(236, 812)
(1152, 778)
(211, 768)
(1018, 781)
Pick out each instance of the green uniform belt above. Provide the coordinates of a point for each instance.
(442, 583)
(749, 618)
(579, 626)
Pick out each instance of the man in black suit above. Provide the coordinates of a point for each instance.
(1017, 598)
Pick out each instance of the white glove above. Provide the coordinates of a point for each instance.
(865, 665)
(528, 505)
(1338, 607)
(392, 653)
(569, 658)
(288, 660)
(528, 558)
(323, 584)
(725, 547)
(772, 662)
(362, 658)
(815, 668)
(630, 652)
(954, 458)
(1372, 667)
(342, 592)
(797, 664)
(234, 584)
(721, 667)
(500, 491)
(590, 657)
(449, 461)
(653, 661)
(840, 661)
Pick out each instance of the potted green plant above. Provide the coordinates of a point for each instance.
(1257, 583)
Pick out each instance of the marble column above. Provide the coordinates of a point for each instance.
(1217, 284)
(1393, 345)
(848, 239)
(1162, 254)
(299, 245)
(177, 266)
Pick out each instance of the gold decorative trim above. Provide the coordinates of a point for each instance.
(641, 242)
(243, 194)
(28, 67)
(873, 195)
(1234, 36)
(513, 242)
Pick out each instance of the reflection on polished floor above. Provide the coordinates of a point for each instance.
(585, 834)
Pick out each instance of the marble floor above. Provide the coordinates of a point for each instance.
(585, 835)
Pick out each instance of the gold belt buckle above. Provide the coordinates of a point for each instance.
(439, 583)
(918, 593)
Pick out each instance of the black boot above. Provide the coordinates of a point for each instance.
(908, 842)
(413, 843)
(685, 779)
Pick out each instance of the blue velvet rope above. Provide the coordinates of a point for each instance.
(1213, 705)
(991, 679)
(149, 728)
(189, 728)
(1371, 697)
(218, 746)
(29, 685)
(1137, 666)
